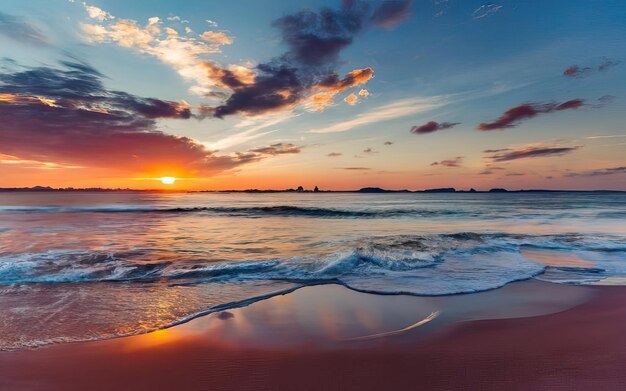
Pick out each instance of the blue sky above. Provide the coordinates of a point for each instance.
(464, 63)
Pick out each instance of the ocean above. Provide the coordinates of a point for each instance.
(77, 266)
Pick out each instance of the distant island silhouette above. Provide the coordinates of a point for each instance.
(299, 189)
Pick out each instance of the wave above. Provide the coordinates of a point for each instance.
(279, 210)
(438, 264)
(73, 281)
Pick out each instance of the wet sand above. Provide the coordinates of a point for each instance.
(525, 336)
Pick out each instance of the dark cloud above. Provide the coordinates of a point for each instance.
(433, 126)
(391, 12)
(334, 154)
(369, 151)
(599, 172)
(514, 115)
(305, 72)
(356, 168)
(20, 30)
(495, 150)
(505, 155)
(456, 162)
(66, 115)
(388, 143)
(277, 149)
(314, 41)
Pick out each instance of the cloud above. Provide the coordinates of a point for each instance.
(302, 75)
(66, 116)
(33, 164)
(101, 15)
(432, 126)
(388, 143)
(486, 10)
(397, 109)
(605, 136)
(490, 170)
(456, 162)
(324, 92)
(351, 99)
(577, 71)
(607, 63)
(304, 72)
(599, 172)
(513, 116)
(216, 37)
(278, 149)
(253, 127)
(369, 151)
(184, 53)
(356, 168)
(391, 12)
(364, 93)
(504, 155)
(21, 30)
(334, 154)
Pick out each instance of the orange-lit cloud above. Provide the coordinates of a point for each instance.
(217, 37)
(66, 118)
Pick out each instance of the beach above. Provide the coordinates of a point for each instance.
(333, 291)
(526, 336)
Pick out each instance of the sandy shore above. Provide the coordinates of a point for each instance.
(525, 336)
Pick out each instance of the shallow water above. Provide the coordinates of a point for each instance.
(81, 266)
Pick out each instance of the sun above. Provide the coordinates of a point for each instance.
(167, 180)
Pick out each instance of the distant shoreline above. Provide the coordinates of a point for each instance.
(365, 190)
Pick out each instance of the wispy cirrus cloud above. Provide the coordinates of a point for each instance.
(278, 149)
(253, 128)
(605, 136)
(21, 30)
(397, 109)
(599, 172)
(533, 151)
(486, 10)
(432, 126)
(356, 168)
(513, 116)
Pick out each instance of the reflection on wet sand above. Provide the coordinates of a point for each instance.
(333, 316)
(555, 258)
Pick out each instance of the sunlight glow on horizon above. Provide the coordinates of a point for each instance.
(167, 180)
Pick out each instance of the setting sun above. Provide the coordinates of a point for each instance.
(167, 180)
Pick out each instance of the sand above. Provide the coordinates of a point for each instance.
(526, 336)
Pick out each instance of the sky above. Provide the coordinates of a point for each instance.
(341, 95)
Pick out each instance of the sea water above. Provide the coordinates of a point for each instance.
(80, 266)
